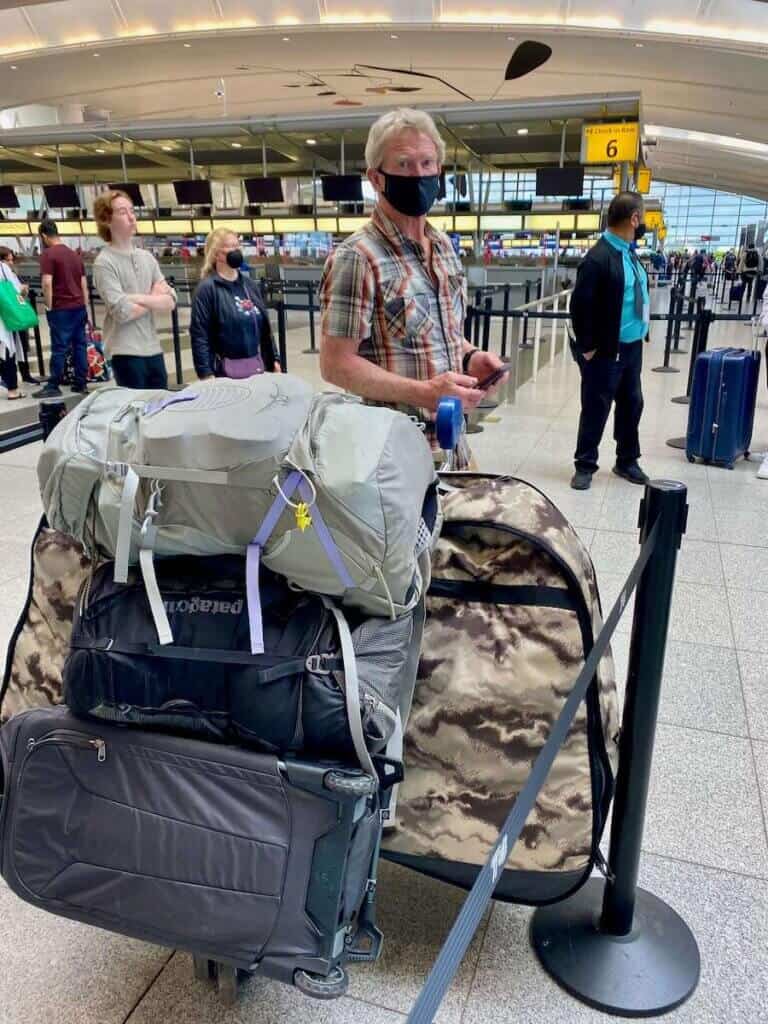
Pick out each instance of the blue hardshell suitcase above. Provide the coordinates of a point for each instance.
(722, 409)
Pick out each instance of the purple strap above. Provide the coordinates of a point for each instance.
(325, 538)
(295, 481)
(156, 405)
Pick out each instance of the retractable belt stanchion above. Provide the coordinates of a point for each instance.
(665, 367)
(312, 350)
(32, 296)
(92, 302)
(487, 307)
(507, 289)
(614, 946)
(696, 348)
(678, 314)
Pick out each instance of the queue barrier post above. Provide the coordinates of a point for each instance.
(312, 350)
(176, 338)
(32, 297)
(665, 367)
(614, 946)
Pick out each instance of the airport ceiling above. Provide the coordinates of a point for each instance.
(231, 75)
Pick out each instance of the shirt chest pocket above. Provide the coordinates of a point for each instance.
(408, 318)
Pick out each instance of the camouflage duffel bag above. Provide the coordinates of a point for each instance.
(512, 613)
(40, 642)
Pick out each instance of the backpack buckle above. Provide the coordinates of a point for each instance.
(316, 664)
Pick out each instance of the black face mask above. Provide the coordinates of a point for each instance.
(640, 231)
(235, 259)
(411, 196)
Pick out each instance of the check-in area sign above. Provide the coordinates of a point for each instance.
(610, 143)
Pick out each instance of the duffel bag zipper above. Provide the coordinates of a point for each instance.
(60, 736)
(74, 739)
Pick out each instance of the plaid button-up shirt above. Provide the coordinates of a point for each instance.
(378, 289)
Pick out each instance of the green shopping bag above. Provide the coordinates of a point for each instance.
(15, 311)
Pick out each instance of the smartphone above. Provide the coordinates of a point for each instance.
(492, 378)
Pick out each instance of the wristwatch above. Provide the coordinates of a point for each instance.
(466, 359)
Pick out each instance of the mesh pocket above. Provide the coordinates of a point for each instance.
(382, 647)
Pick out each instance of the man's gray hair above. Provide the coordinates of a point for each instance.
(395, 122)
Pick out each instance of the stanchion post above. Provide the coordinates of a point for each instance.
(176, 338)
(507, 288)
(282, 334)
(312, 350)
(92, 302)
(665, 367)
(487, 307)
(32, 297)
(614, 946)
(476, 336)
(680, 292)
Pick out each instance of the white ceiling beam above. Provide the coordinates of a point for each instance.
(119, 13)
(30, 25)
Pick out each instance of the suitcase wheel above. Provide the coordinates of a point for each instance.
(691, 458)
(227, 982)
(205, 969)
(354, 785)
(318, 987)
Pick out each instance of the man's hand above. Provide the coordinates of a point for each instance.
(161, 288)
(277, 368)
(589, 355)
(483, 364)
(457, 385)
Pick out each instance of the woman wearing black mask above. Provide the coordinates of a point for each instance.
(230, 330)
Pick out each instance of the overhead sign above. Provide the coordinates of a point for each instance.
(654, 219)
(644, 180)
(610, 143)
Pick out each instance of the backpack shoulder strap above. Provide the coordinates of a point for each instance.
(351, 688)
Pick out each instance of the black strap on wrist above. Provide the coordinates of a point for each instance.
(466, 359)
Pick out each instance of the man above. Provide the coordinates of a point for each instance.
(65, 294)
(393, 295)
(133, 289)
(700, 265)
(750, 267)
(610, 311)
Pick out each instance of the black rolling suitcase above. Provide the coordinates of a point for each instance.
(251, 862)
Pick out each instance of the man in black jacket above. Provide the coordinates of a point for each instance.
(610, 313)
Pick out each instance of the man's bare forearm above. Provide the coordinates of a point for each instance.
(364, 378)
(156, 303)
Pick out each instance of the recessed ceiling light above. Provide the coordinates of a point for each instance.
(97, 55)
(639, 46)
(101, 150)
(187, 46)
(522, 131)
(39, 154)
(166, 149)
(286, 39)
(311, 142)
(14, 67)
(237, 145)
(393, 36)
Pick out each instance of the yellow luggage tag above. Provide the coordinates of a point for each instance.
(303, 517)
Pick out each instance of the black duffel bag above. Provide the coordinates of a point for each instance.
(325, 686)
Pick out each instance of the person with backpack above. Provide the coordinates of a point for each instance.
(750, 266)
(230, 330)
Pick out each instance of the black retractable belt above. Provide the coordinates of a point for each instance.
(466, 924)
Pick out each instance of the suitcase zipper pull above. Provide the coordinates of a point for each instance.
(101, 750)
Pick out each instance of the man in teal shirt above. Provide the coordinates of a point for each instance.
(610, 311)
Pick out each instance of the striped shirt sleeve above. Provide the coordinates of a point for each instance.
(346, 295)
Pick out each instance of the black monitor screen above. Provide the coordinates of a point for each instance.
(131, 189)
(264, 190)
(8, 198)
(60, 196)
(193, 193)
(342, 188)
(560, 181)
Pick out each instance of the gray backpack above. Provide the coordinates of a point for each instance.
(326, 491)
